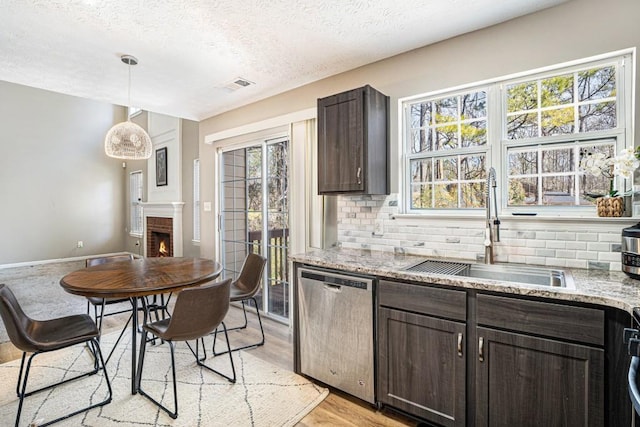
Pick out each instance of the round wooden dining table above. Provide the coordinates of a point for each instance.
(139, 278)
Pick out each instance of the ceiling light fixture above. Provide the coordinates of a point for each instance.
(127, 140)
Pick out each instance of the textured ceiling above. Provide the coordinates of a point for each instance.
(189, 50)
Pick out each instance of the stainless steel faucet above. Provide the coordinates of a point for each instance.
(489, 232)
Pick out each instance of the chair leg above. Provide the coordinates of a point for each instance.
(95, 348)
(215, 334)
(196, 353)
(143, 346)
(243, 326)
(22, 393)
(124, 329)
(199, 361)
(24, 355)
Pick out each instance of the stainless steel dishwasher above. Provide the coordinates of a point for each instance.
(336, 330)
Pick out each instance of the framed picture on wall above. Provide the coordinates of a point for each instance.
(161, 166)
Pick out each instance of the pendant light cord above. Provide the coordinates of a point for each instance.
(129, 94)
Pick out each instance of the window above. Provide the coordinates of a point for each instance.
(196, 200)
(135, 197)
(447, 158)
(534, 130)
(577, 105)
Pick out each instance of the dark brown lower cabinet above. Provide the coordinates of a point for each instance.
(422, 368)
(523, 380)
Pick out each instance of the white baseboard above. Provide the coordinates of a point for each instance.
(52, 261)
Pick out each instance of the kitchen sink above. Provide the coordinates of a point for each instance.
(520, 274)
(510, 273)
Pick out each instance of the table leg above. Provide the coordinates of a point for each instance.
(134, 339)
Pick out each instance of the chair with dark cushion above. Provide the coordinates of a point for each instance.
(102, 302)
(197, 312)
(99, 304)
(40, 336)
(243, 289)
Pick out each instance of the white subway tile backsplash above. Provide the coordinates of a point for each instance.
(588, 256)
(566, 254)
(576, 246)
(555, 262)
(587, 237)
(556, 244)
(565, 235)
(545, 235)
(599, 247)
(517, 258)
(609, 256)
(547, 253)
(576, 263)
(536, 243)
(514, 242)
(525, 234)
(609, 237)
(535, 260)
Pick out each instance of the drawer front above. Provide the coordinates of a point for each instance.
(428, 300)
(565, 322)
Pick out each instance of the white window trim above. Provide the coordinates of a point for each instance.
(133, 233)
(497, 150)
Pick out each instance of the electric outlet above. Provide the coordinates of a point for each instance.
(80, 244)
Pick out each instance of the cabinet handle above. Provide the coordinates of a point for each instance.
(358, 175)
(481, 349)
(460, 344)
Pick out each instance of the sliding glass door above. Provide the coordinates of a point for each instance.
(254, 216)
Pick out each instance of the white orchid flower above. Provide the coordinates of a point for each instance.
(626, 163)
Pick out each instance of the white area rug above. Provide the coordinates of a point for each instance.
(264, 395)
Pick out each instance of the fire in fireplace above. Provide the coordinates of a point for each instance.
(161, 244)
(159, 237)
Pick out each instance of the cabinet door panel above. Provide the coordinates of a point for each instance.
(422, 366)
(340, 143)
(529, 381)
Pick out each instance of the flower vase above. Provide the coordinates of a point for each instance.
(610, 206)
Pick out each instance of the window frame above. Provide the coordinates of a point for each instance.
(445, 153)
(498, 145)
(135, 206)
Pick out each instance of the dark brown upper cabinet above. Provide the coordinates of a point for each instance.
(353, 143)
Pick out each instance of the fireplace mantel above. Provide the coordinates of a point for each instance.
(165, 210)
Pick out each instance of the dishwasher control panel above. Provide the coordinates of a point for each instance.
(335, 280)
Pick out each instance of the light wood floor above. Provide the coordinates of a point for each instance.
(338, 409)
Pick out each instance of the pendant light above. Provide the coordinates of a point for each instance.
(127, 140)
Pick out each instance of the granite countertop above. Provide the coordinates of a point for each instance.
(608, 288)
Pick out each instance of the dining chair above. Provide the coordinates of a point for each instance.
(197, 312)
(243, 289)
(97, 302)
(41, 336)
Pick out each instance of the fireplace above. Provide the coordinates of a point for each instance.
(162, 218)
(159, 237)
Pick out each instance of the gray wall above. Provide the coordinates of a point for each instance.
(573, 30)
(189, 154)
(56, 184)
